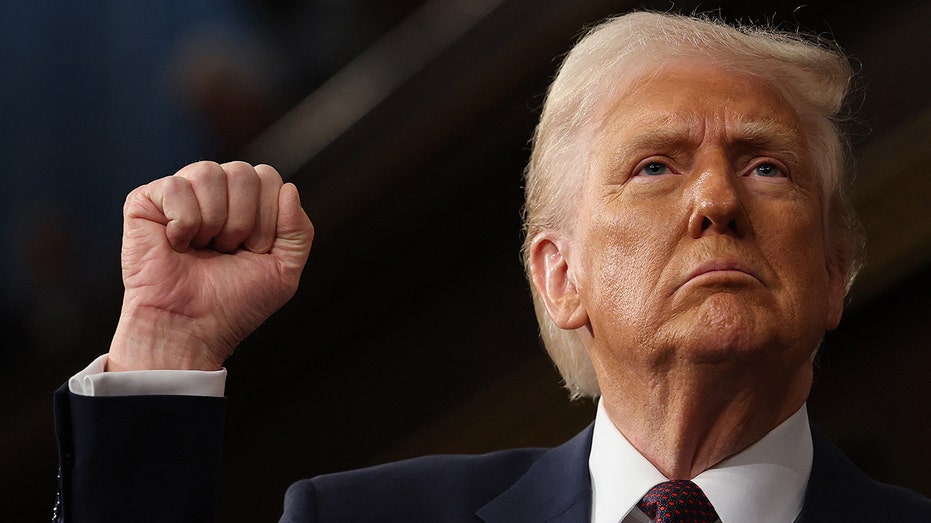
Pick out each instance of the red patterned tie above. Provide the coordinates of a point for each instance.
(677, 501)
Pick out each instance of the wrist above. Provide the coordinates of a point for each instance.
(157, 341)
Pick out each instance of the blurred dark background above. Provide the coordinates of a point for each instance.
(405, 125)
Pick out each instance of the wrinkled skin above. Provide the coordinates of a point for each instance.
(208, 254)
(696, 264)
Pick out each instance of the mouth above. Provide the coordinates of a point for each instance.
(719, 272)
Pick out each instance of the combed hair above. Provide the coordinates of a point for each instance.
(812, 74)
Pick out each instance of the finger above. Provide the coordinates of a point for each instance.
(295, 232)
(264, 232)
(169, 202)
(242, 188)
(208, 181)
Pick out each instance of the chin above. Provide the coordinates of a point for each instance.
(725, 329)
(719, 347)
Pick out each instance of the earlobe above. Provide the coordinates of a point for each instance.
(549, 269)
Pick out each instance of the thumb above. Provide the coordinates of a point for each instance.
(294, 233)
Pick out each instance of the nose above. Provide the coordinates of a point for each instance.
(717, 207)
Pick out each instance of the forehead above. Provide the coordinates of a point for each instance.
(688, 101)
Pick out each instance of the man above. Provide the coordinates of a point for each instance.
(688, 244)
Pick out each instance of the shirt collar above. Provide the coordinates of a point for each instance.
(764, 483)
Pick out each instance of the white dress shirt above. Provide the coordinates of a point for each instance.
(93, 381)
(765, 483)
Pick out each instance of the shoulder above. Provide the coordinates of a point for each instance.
(837, 488)
(889, 502)
(440, 474)
(905, 505)
(430, 488)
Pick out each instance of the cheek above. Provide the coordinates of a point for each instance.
(796, 241)
(622, 262)
(796, 251)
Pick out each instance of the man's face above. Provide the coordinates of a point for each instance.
(699, 230)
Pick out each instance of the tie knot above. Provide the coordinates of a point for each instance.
(677, 501)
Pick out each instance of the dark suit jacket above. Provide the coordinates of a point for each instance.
(155, 458)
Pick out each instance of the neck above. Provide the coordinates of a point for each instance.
(685, 421)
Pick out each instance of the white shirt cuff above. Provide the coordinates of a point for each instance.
(94, 381)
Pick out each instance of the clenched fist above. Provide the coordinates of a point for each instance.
(208, 254)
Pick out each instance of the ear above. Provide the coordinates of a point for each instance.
(837, 291)
(549, 270)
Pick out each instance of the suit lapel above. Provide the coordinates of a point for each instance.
(557, 488)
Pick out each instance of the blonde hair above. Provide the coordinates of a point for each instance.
(812, 75)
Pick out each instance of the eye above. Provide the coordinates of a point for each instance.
(654, 169)
(768, 170)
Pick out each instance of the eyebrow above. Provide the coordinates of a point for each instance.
(673, 132)
(771, 135)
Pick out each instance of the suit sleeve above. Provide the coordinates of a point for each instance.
(138, 458)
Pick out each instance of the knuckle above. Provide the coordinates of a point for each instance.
(174, 183)
(242, 177)
(238, 165)
(199, 169)
(133, 197)
(239, 169)
(268, 173)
